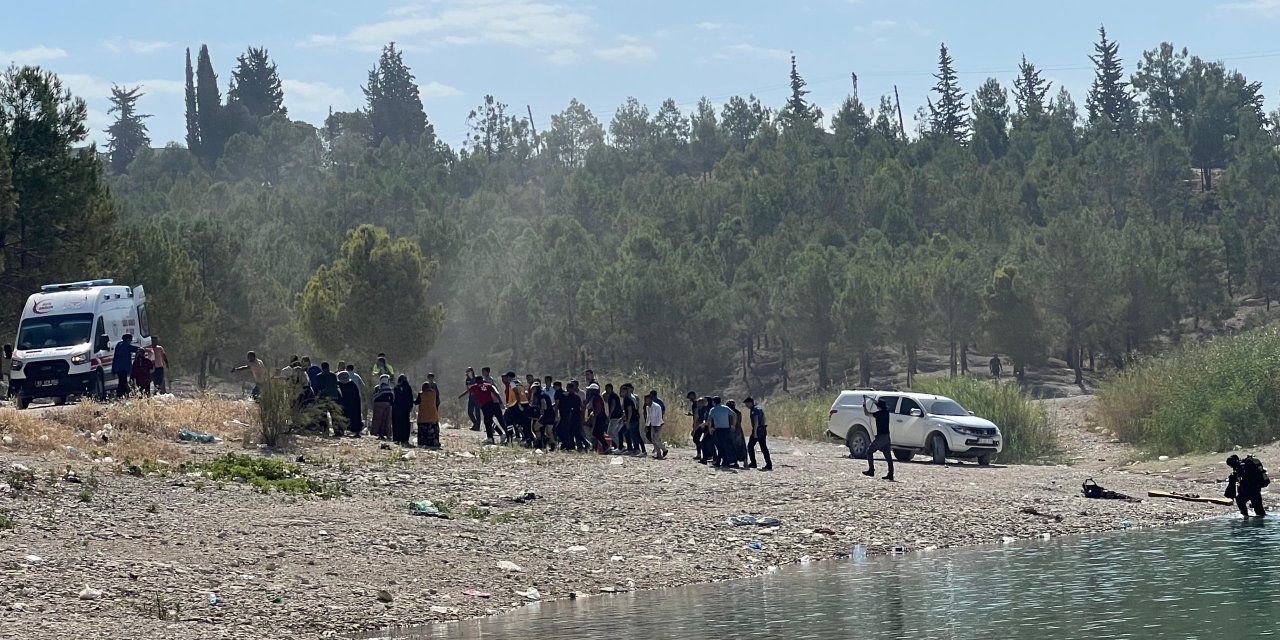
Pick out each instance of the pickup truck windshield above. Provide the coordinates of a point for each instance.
(51, 332)
(946, 408)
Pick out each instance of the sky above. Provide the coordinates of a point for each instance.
(540, 54)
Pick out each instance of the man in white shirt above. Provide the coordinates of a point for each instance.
(653, 419)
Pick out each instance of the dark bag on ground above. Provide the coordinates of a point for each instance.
(1092, 489)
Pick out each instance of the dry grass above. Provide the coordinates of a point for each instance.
(140, 429)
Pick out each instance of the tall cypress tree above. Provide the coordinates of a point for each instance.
(394, 106)
(950, 115)
(209, 108)
(1109, 95)
(128, 133)
(255, 84)
(1029, 91)
(193, 119)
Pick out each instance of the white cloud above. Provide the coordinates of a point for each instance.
(563, 57)
(752, 51)
(33, 55)
(1266, 8)
(715, 26)
(315, 98)
(627, 53)
(629, 39)
(120, 45)
(880, 29)
(434, 90)
(518, 23)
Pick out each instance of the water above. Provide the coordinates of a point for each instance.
(1202, 581)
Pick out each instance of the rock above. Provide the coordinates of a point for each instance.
(1163, 458)
(440, 609)
(89, 593)
(34, 559)
(577, 548)
(509, 566)
(616, 559)
(384, 596)
(7, 440)
(616, 461)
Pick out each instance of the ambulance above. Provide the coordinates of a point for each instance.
(66, 339)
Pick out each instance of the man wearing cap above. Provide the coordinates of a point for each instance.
(759, 434)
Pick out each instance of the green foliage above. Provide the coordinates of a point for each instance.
(6, 520)
(394, 106)
(279, 411)
(1109, 98)
(1013, 319)
(803, 417)
(56, 215)
(128, 134)
(255, 84)
(373, 272)
(948, 117)
(1199, 398)
(1022, 420)
(266, 474)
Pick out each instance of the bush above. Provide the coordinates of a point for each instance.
(278, 411)
(265, 475)
(798, 416)
(1021, 419)
(1203, 397)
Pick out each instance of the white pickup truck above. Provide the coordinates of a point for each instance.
(918, 423)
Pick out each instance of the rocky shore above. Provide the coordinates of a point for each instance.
(180, 556)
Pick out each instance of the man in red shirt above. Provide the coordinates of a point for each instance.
(486, 396)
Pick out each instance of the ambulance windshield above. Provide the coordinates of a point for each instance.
(51, 332)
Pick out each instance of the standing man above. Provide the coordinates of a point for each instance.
(569, 418)
(882, 441)
(631, 420)
(122, 363)
(312, 371)
(161, 362)
(359, 383)
(721, 419)
(996, 366)
(330, 397)
(760, 434)
(257, 370)
(1245, 484)
(653, 419)
(486, 397)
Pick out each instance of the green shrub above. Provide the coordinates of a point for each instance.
(1021, 419)
(1203, 397)
(798, 416)
(265, 475)
(278, 411)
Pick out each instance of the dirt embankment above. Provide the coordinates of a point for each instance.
(157, 546)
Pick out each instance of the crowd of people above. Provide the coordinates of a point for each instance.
(139, 370)
(579, 416)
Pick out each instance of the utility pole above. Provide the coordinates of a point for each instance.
(901, 127)
(534, 128)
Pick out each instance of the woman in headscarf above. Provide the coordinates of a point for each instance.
(401, 407)
(383, 395)
(351, 408)
(141, 372)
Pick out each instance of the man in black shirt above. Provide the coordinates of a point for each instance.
(881, 441)
(1246, 483)
(569, 413)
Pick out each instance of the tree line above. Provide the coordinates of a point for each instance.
(668, 240)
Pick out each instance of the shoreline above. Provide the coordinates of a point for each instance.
(157, 546)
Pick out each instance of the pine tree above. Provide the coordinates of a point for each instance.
(798, 110)
(950, 116)
(1109, 96)
(394, 106)
(128, 133)
(209, 109)
(990, 121)
(255, 83)
(193, 119)
(1029, 91)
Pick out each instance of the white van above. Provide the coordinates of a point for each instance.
(66, 338)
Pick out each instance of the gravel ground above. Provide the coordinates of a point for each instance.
(157, 547)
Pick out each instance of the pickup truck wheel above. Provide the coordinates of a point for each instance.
(984, 460)
(23, 402)
(59, 401)
(938, 448)
(858, 440)
(904, 455)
